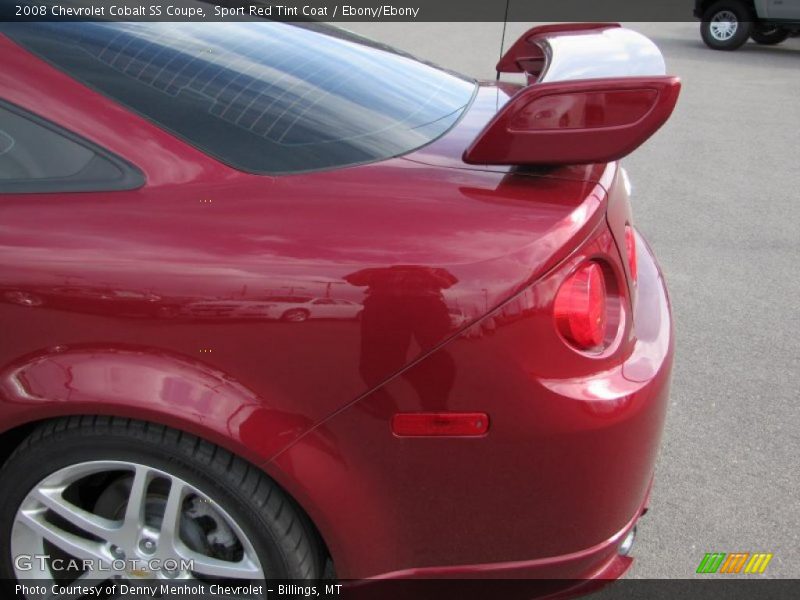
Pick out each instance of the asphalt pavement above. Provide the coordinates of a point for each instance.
(716, 194)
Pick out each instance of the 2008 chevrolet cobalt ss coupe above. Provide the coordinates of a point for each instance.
(278, 301)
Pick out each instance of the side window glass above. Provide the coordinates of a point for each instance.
(38, 157)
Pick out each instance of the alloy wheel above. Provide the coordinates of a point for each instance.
(127, 521)
(723, 25)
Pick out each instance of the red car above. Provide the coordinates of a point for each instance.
(177, 165)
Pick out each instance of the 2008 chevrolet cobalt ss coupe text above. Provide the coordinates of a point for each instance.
(278, 302)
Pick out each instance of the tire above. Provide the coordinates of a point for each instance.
(229, 513)
(726, 25)
(295, 315)
(769, 36)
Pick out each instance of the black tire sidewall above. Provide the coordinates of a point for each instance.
(745, 28)
(27, 469)
(775, 36)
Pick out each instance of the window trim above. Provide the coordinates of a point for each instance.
(131, 177)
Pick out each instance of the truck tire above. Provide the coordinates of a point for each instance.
(726, 25)
(768, 35)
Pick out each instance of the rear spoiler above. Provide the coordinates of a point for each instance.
(595, 93)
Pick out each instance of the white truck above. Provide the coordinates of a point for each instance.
(727, 24)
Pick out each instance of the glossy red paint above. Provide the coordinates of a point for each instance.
(154, 303)
(570, 122)
(566, 466)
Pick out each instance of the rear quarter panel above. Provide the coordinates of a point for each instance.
(108, 273)
(97, 290)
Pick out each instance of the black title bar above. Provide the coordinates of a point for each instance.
(347, 10)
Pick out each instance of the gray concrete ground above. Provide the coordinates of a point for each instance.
(717, 194)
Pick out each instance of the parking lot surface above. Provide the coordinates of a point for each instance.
(716, 192)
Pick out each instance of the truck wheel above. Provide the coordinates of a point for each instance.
(726, 25)
(769, 36)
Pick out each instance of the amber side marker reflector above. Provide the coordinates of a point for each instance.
(440, 424)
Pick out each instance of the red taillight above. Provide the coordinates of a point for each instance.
(580, 307)
(630, 247)
(440, 424)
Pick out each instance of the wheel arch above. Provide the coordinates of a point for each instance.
(159, 388)
(169, 389)
(704, 5)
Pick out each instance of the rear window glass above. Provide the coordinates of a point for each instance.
(262, 97)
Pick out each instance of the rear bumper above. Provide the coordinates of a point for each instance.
(602, 561)
(551, 491)
(642, 381)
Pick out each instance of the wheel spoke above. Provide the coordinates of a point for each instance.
(134, 511)
(168, 537)
(98, 526)
(70, 543)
